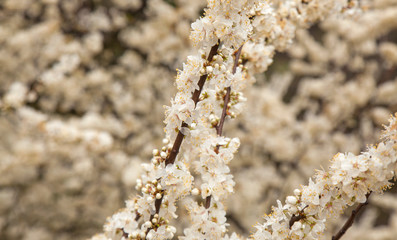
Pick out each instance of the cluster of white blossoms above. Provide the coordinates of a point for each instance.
(209, 89)
(78, 110)
(209, 219)
(349, 180)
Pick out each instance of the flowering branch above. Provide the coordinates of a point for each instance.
(350, 179)
(219, 127)
(297, 217)
(192, 118)
(179, 139)
(350, 221)
(195, 98)
(228, 90)
(355, 61)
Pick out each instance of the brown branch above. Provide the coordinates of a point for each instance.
(207, 202)
(237, 58)
(228, 90)
(219, 127)
(295, 218)
(125, 235)
(298, 217)
(350, 221)
(179, 138)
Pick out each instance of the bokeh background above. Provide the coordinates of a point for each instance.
(82, 89)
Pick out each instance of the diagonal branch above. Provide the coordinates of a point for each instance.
(297, 217)
(179, 138)
(228, 90)
(350, 221)
(219, 127)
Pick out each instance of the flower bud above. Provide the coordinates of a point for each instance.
(297, 192)
(148, 224)
(195, 191)
(291, 200)
(155, 152)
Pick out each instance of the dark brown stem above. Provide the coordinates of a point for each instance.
(207, 202)
(227, 96)
(219, 127)
(157, 204)
(179, 138)
(177, 145)
(301, 215)
(125, 235)
(295, 218)
(237, 58)
(350, 221)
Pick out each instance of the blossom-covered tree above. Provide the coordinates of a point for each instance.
(79, 117)
(197, 115)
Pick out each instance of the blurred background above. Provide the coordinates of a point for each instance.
(82, 89)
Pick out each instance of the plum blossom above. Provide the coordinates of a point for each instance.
(349, 180)
(207, 80)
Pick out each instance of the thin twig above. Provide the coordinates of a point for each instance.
(208, 202)
(350, 221)
(227, 96)
(298, 217)
(219, 127)
(179, 138)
